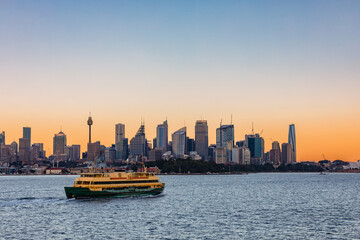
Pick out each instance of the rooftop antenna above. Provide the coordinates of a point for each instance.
(60, 128)
(252, 130)
(220, 122)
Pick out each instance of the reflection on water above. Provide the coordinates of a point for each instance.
(268, 206)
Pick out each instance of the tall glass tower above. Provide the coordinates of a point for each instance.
(292, 141)
(162, 136)
(27, 134)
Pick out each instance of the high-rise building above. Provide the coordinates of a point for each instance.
(59, 143)
(24, 150)
(286, 153)
(35, 152)
(190, 145)
(221, 155)
(73, 152)
(241, 155)
(41, 149)
(122, 149)
(119, 132)
(110, 155)
(292, 141)
(275, 153)
(14, 148)
(27, 134)
(255, 143)
(138, 144)
(121, 143)
(225, 139)
(179, 142)
(162, 136)
(211, 152)
(93, 151)
(2, 138)
(201, 139)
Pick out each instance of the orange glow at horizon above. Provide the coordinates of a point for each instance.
(314, 136)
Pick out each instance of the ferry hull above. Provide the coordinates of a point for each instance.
(78, 193)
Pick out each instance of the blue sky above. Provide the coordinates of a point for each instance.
(281, 61)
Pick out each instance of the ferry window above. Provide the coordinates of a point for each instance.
(78, 182)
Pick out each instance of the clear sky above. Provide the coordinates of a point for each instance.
(268, 62)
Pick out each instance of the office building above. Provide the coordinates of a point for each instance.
(155, 154)
(138, 144)
(73, 152)
(221, 155)
(201, 138)
(14, 148)
(179, 142)
(190, 145)
(225, 139)
(255, 143)
(27, 134)
(275, 153)
(162, 137)
(292, 141)
(286, 153)
(119, 132)
(110, 154)
(93, 152)
(241, 155)
(24, 150)
(2, 138)
(59, 143)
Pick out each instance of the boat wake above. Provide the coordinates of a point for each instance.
(4, 202)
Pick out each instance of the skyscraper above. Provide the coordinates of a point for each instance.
(275, 153)
(59, 143)
(24, 150)
(286, 153)
(27, 134)
(2, 138)
(256, 145)
(162, 136)
(121, 143)
(179, 142)
(225, 139)
(119, 132)
(138, 144)
(292, 141)
(201, 138)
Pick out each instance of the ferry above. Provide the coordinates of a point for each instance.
(115, 184)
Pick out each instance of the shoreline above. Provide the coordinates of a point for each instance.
(189, 174)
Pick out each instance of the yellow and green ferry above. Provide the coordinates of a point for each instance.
(115, 184)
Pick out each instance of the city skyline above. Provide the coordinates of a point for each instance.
(107, 142)
(271, 63)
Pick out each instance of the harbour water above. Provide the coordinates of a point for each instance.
(253, 206)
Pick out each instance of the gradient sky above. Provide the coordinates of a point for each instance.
(268, 62)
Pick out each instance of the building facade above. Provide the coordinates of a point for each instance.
(138, 144)
(59, 143)
(292, 141)
(225, 139)
(202, 139)
(179, 142)
(255, 143)
(286, 153)
(162, 137)
(27, 134)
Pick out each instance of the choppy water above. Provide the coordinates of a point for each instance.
(254, 206)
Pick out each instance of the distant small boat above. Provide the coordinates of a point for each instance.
(322, 173)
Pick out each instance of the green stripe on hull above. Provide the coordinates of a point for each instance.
(74, 192)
